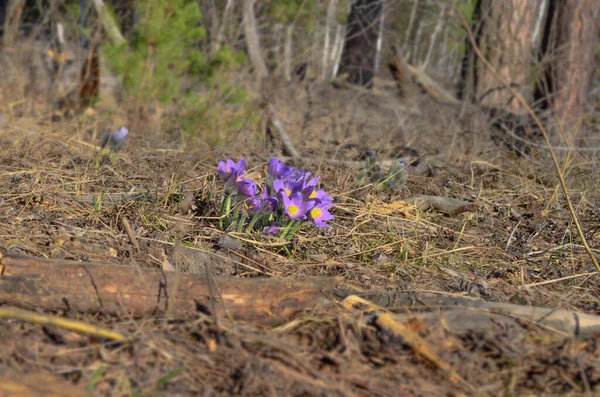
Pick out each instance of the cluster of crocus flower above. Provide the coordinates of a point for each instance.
(288, 198)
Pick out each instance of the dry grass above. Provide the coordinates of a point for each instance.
(518, 245)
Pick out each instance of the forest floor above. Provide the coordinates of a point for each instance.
(516, 243)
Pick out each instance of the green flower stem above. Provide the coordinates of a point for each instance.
(225, 208)
(253, 221)
(294, 229)
(236, 214)
(241, 224)
(286, 229)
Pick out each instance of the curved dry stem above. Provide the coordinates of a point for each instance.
(71, 325)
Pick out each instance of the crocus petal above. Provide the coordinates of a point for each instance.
(320, 215)
(321, 196)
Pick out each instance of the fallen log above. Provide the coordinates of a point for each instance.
(126, 291)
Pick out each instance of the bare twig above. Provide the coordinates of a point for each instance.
(288, 146)
(71, 325)
(129, 233)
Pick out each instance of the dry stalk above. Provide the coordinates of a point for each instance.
(71, 325)
(559, 172)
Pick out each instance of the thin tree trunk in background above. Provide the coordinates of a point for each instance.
(224, 24)
(503, 31)
(414, 56)
(253, 41)
(214, 26)
(277, 42)
(379, 42)
(538, 25)
(338, 47)
(360, 48)
(14, 13)
(568, 60)
(444, 58)
(436, 32)
(326, 47)
(287, 53)
(411, 22)
(314, 62)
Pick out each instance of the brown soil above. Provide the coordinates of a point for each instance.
(518, 235)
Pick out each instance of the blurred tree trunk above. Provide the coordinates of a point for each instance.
(360, 48)
(12, 21)
(287, 53)
(567, 57)
(503, 31)
(253, 41)
(224, 25)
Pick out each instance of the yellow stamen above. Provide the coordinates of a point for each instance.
(287, 191)
(313, 194)
(316, 213)
(293, 209)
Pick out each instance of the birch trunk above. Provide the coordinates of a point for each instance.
(253, 41)
(224, 24)
(336, 51)
(411, 22)
(287, 53)
(436, 32)
(326, 48)
(380, 40)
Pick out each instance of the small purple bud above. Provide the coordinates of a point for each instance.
(247, 188)
(272, 230)
(254, 204)
(114, 140)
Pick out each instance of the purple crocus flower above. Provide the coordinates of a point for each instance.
(247, 187)
(283, 186)
(269, 204)
(229, 167)
(277, 169)
(254, 204)
(320, 214)
(320, 196)
(295, 206)
(114, 140)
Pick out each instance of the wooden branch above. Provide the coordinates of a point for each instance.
(288, 147)
(448, 205)
(424, 81)
(388, 322)
(127, 291)
(462, 314)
